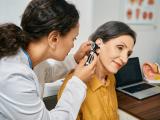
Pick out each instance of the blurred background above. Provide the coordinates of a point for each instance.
(95, 12)
(141, 15)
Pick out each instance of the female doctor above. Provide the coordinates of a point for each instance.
(49, 28)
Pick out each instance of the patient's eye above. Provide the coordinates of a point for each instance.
(120, 47)
(129, 54)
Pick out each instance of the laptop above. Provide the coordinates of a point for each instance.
(129, 80)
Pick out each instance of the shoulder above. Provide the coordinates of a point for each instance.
(18, 88)
(17, 69)
(15, 74)
(15, 65)
(18, 83)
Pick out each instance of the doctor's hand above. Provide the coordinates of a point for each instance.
(85, 72)
(82, 51)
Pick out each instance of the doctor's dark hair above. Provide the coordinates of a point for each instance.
(39, 19)
(43, 16)
(11, 38)
(112, 29)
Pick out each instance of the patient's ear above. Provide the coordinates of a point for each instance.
(99, 42)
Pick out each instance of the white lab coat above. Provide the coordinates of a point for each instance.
(51, 70)
(20, 92)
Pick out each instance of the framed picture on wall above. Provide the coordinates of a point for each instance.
(139, 11)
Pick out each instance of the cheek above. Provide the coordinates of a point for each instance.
(105, 58)
(107, 63)
(67, 45)
(111, 52)
(107, 54)
(70, 44)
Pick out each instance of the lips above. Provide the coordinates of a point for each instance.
(118, 65)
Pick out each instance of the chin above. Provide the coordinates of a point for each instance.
(113, 71)
(59, 58)
(62, 59)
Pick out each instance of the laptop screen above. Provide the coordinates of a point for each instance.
(129, 74)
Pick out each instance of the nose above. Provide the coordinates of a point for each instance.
(124, 58)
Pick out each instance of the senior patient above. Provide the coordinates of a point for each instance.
(116, 41)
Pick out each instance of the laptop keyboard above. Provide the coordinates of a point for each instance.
(138, 88)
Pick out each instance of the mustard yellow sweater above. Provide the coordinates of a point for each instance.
(100, 102)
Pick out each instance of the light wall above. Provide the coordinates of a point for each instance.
(85, 10)
(147, 47)
(12, 10)
(92, 14)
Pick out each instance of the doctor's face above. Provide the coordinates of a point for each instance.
(115, 52)
(66, 43)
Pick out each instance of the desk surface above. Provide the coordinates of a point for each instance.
(147, 109)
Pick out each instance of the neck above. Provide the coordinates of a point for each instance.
(101, 72)
(37, 52)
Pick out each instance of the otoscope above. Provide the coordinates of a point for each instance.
(90, 58)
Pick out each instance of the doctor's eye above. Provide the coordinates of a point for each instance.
(75, 38)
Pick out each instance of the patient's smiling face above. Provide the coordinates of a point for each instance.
(114, 53)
